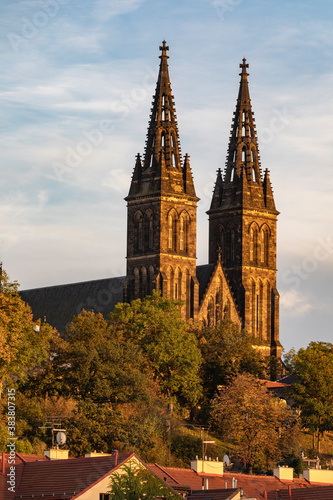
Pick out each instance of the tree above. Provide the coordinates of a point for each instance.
(137, 483)
(93, 362)
(313, 387)
(24, 344)
(245, 412)
(227, 352)
(171, 348)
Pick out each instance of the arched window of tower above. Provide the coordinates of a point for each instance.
(136, 274)
(187, 293)
(171, 283)
(138, 231)
(230, 243)
(172, 230)
(253, 307)
(150, 279)
(149, 230)
(220, 241)
(143, 282)
(260, 310)
(254, 243)
(178, 285)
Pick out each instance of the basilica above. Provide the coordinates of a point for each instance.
(239, 281)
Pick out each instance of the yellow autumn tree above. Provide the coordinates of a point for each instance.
(24, 344)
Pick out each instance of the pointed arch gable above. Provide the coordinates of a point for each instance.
(218, 280)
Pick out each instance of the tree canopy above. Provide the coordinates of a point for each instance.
(227, 352)
(171, 348)
(24, 344)
(135, 482)
(245, 412)
(313, 386)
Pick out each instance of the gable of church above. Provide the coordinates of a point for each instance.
(216, 300)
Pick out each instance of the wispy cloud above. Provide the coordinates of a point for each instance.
(294, 303)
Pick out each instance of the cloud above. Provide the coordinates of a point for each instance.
(293, 303)
(104, 10)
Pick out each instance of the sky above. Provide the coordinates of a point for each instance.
(77, 80)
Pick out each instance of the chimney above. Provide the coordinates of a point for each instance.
(55, 454)
(206, 483)
(225, 485)
(115, 457)
(234, 482)
(207, 467)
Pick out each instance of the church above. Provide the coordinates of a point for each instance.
(239, 282)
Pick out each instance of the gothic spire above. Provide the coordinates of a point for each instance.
(163, 129)
(162, 169)
(243, 148)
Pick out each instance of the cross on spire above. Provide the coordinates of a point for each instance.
(244, 65)
(164, 49)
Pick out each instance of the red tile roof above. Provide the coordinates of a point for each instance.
(313, 493)
(253, 486)
(213, 494)
(59, 479)
(20, 459)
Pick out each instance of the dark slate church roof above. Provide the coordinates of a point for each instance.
(58, 304)
(203, 275)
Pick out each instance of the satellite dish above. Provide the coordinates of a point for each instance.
(61, 438)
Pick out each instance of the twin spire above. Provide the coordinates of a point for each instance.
(243, 183)
(162, 169)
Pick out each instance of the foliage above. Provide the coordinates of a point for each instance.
(135, 482)
(245, 412)
(227, 352)
(94, 363)
(186, 447)
(171, 349)
(22, 346)
(92, 427)
(313, 387)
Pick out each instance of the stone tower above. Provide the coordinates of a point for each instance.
(242, 227)
(161, 209)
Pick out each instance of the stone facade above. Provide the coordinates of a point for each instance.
(240, 281)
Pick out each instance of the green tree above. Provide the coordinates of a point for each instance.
(94, 362)
(171, 348)
(227, 352)
(255, 422)
(313, 387)
(137, 483)
(24, 343)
